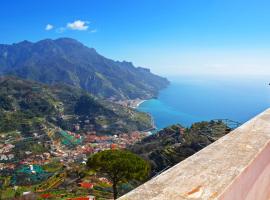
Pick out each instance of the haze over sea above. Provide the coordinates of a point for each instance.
(191, 99)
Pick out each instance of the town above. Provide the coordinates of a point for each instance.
(39, 158)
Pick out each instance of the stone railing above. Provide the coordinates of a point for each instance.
(236, 167)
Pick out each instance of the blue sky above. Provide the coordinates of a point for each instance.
(172, 37)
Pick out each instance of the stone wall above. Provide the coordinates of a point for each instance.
(236, 167)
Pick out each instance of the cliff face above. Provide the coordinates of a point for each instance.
(175, 143)
(68, 61)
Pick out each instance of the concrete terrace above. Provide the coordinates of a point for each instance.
(236, 167)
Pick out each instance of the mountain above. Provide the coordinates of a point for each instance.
(68, 61)
(175, 143)
(30, 107)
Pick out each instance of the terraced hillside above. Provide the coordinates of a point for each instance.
(28, 107)
(175, 143)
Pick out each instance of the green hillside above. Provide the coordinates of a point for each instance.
(26, 106)
(175, 143)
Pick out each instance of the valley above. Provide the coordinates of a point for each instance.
(50, 124)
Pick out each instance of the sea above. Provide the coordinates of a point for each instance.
(190, 99)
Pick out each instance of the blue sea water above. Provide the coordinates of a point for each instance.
(191, 99)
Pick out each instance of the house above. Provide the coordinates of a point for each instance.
(86, 185)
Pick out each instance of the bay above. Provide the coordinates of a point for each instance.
(192, 99)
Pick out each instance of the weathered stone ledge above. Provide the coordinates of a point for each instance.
(236, 167)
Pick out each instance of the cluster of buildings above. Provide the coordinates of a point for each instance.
(92, 143)
(86, 144)
(89, 143)
(129, 103)
(6, 152)
(38, 159)
(120, 141)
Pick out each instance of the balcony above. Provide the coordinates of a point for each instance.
(236, 167)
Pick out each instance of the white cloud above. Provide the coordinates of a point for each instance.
(48, 27)
(78, 25)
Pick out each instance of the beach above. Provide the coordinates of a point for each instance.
(138, 103)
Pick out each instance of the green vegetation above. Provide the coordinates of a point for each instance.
(72, 63)
(119, 166)
(30, 107)
(126, 170)
(86, 105)
(53, 166)
(33, 115)
(175, 143)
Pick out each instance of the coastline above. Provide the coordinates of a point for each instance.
(153, 128)
(131, 103)
(134, 104)
(139, 103)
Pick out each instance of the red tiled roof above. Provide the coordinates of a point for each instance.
(87, 185)
(45, 196)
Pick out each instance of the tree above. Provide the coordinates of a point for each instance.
(119, 166)
(86, 105)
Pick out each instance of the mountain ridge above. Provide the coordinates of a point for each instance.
(68, 61)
